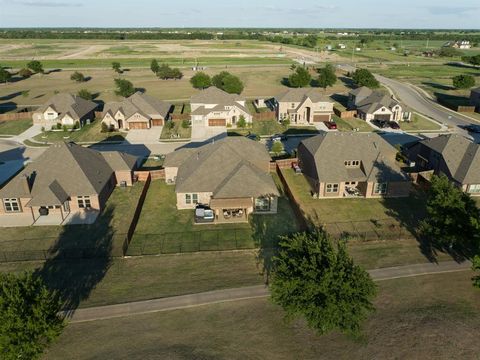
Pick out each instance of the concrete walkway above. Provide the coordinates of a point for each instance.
(249, 292)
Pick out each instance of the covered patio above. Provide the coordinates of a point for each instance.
(234, 210)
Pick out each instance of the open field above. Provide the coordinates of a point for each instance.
(435, 316)
(14, 127)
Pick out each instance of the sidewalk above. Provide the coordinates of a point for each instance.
(243, 293)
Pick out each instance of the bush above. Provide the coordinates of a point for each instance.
(76, 125)
(65, 128)
(35, 66)
(185, 124)
(42, 129)
(449, 52)
(170, 125)
(117, 67)
(77, 76)
(277, 147)
(85, 94)
(59, 126)
(241, 123)
(105, 127)
(463, 81)
(25, 73)
(285, 122)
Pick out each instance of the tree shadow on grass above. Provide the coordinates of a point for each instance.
(80, 259)
(438, 86)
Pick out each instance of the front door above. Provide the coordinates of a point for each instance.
(120, 124)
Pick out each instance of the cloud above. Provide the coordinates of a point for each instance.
(298, 10)
(452, 10)
(40, 3)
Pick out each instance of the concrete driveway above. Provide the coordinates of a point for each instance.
(204, 133)
(144, 136)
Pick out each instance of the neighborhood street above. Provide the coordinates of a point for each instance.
(243, 293)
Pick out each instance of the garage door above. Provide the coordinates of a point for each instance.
(138, 125)
(385, 117)
(157, 122)
(320, 118)
(217, 122)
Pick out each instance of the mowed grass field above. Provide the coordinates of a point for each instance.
(425, 317)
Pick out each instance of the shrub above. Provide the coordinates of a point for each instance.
(170, 125)
(77, 76)
(201, 80)
(76, 125)
(185, 124)
(35, 66)
(241, 123)
(105, 127)
(85, 94)
(59, 126)
(25, 73)
(124, 87)
(65, 128)
(300, 78)
(463, 81)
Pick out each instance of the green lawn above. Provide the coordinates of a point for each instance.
(426, 317)
(88, 133)
(107, 233)
(177, 132)
(14, 127)
(419, 123)
(164, 229)
(351, 124)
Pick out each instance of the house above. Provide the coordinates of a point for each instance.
(215, 107)
(475, 98)
(139, 111)
(340, 165)
(375, 105)
(462, 44)
(342, 46)
(64, 109)
(303, 106)
(230, 176)
(452, 155)
(68, 183)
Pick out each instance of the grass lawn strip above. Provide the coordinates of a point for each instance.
(14, 127)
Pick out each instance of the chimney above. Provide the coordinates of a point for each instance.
(26, 183)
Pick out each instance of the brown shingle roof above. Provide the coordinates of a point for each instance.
(146, 105)
(300, 94)
(213, 95)
(73, 105)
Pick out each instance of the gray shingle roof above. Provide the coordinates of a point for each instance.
(65, 168)
(214, 95)
(73, 105)
(146, 105)
(461, 156)
(229, 168)
(330, 150)
(300, 94)
(370, 101)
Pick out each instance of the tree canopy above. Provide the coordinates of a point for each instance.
(326, 76)
(124, 87)
(25, 73)
(473, 60)
(5, 75)
(315, 280)
(165, 72)
(117, 67)
(154, 66)
(28, 313)
(453, 219)
(228, 82)
(463, 81)
(363, 77)
(36, 66)
(277, 147)
(300, 77)
(201, 80)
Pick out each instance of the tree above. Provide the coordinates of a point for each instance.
(363, 77)
(5, 75)
(449, 52)
(25, 73)
(326, 76)
(318, 281)
(77, 76)
(473, 60)
(117, 67)
(453, 219)
(154, 66)
(463, 81)
(228, 82)
(201, 80)
(124, 87)
(476, 267)
(300, 77)
(241, 123)
(36, 66)
(277, 147)
(165, 72)
(29, 313)
(176, 74)
(85, 94)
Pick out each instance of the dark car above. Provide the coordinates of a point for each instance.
(473, 128)
(332, 125)
(394, 125)
(380, 123)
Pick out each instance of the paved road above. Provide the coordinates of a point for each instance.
(243, 293)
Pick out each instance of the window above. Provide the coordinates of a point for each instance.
(11, 205)
(380, 188)
(84, 202)
(352, 163)
(292, 106)
(332, 188)
(262, 204)
(474, 188)
(191, 198)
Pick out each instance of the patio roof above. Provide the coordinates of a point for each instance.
(232, 203)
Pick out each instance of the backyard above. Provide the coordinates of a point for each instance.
(164, 229)
(14, 127)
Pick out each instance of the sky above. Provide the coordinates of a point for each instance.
(444, 14)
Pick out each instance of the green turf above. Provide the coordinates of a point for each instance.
(14, 127)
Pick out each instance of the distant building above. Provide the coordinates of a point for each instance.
(462, 44)
(342, 46)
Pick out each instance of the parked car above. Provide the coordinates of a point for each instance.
(394, 125)
(380, 123)
(332, 125)
(278, 137)
(473, 128)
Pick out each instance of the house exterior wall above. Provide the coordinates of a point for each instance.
(137, 118)
(300, 117)
(231, 115)
(394, 189)
(170, 174)
(47, 120)
(126, 176)
(203, 198)
(24, 209)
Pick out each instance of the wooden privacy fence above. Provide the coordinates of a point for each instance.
(344, 114)
(302, 222)
(16, 116)
(286, 163)
(180, 117)
(263, 116)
